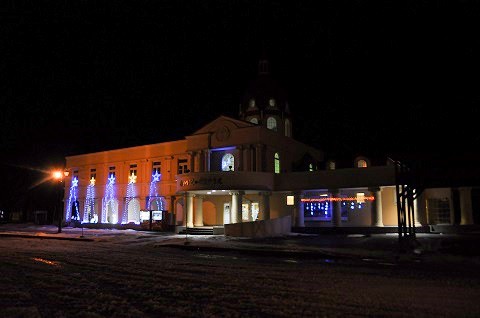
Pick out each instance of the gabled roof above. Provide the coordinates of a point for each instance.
(223, 121)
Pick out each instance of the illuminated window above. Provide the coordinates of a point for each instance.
(272, 123)
(156, 167)
(277, 163)
(271, 102)
(133, 170)
(183, 166)
(111, 174)
(331, 165)
(288, 128)
(361, 163)
(290, 200)
(310, 167)
(254, 120)
(360, 197)
(245, 210)
(255, 210)
(321, 209)
(228, 162)
(93, 174)
(226, 213)
(251, 103)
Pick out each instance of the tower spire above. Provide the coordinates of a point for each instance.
(263, 64)
(263, 67)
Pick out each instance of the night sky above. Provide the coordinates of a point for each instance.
(390, 78)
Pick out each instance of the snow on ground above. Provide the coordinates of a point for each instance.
(131, 274)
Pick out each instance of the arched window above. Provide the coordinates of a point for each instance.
(228, 162)
(361, 163)
(271, 102)
(310, 167)
(254, 120)
(277, 163)
(288, 128)
(251, 103)
(272, 123)
(331, 165)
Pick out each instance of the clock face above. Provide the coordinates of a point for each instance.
(227, 162)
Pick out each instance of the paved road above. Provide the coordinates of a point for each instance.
(150, 276)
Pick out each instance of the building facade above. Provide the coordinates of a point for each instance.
(236, 174)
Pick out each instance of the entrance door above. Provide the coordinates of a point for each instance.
(226, 213)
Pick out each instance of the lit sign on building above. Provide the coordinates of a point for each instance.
(363, 198)
(203, 181)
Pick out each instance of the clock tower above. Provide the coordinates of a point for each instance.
(265, 102)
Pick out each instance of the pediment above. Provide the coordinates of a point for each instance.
(222, 127)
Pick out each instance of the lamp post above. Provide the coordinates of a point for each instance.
(60, 176)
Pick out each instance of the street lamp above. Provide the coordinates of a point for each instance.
(60, 176)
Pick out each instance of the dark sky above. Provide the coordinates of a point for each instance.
(382, 77)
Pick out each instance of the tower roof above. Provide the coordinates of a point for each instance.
(263, 89)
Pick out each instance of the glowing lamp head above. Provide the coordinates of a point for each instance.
(57, 175)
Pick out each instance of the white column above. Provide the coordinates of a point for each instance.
(184, 216)
(377, 211)
(189, 210)
(416, 213)
(198, 210)
(239, 206)
(234, 208)
(466, 210)
(336, 208)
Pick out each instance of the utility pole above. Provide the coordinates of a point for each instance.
(60, 177)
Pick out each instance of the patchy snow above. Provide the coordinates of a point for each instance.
(143, 274)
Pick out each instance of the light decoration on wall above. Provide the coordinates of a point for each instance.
(110, 201)
(131, 211)
(369, 198)
(154, 202)
(132, 178)
(89, 215)
(318, 209)
(322, 207)
(72, 206)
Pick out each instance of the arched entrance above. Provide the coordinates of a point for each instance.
(133, 208)
(111, 211)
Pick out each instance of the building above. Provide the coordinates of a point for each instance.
(248, 176)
